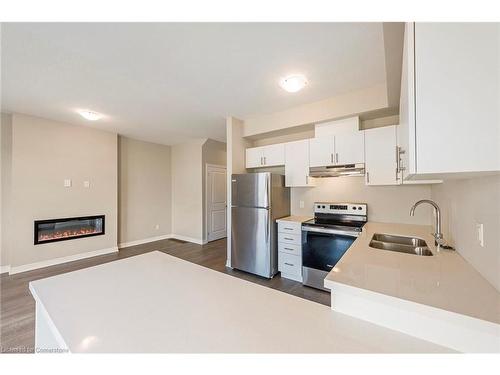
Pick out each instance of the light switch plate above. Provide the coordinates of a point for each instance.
(301, 204)
(480, 234)
(86, 184)
(67, 182)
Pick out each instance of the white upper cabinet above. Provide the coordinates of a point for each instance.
(265, 156)
(380, 153)
(450, 99)
(321, 151)
(406, 130)
(350, 148)
(297, 164)
(274, 155)
(254, 157)
(346, 148)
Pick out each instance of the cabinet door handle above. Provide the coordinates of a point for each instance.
(331, 158)
(289, 239)
(264, 160)
(289, 264)
(367, 177)
(287, 248)
(336, 157)
(397, 162)
(307, 180)
(288, 228)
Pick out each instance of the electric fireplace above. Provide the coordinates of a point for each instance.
(68, 228)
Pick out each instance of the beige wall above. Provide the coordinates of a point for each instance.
(465, 203)
(187, 190)
(389, 204)
(145, 194)
(44, 153)
(350, 104)
(213, 152)
(5, 178)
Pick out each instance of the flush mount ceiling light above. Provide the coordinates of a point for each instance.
(293, 83)
(90, 115)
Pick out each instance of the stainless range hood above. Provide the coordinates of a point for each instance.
(338, 170)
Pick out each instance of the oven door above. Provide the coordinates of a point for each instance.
(323, 247)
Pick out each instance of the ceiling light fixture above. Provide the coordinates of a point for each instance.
(90, 115)
(293, 83)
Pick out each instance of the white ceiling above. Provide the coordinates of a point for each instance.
(170, 82)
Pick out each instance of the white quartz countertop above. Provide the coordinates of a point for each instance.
(158, 303)
(444, 280)
(295, 218)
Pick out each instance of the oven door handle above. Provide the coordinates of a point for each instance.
(329, 231)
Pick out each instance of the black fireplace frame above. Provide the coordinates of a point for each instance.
(49, 221)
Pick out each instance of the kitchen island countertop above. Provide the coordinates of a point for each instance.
(158, 303)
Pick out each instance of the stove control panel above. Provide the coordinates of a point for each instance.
(340, 208)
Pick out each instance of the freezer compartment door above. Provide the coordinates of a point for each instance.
(250, 190)
(251, 241)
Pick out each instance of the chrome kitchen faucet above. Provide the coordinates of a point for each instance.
(438, 235)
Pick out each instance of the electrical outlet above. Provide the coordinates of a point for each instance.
(480, 234)
(301, 204)
(157, 226)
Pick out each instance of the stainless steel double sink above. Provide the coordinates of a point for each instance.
(400, 244)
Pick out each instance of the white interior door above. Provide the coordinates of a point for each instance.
(216, 202)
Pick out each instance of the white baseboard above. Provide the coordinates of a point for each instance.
(52, 262)
(145, 240)
(5, 269)
(164, 237)
(189, 239)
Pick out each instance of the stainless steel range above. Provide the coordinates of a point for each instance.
(327, 237)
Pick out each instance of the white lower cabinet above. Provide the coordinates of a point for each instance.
(290, 250)
(290, 266)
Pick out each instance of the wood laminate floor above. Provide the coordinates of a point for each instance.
(17, 307)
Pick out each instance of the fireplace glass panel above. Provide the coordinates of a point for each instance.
(68, 228)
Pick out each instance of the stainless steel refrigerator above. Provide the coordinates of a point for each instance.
(257, 200)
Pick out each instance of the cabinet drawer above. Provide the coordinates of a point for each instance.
(290, 264)
(290, 227)
(290, 249)
(286, 238)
